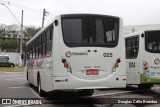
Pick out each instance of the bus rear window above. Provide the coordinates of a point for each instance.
(152, 41)
(72, 29)
(79, 32)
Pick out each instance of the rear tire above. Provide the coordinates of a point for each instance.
(87, 92)
(40, 91)
(145, 86)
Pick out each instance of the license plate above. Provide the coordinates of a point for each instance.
(92, 72)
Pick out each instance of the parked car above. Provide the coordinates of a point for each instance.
(6, 63)
(4, 56)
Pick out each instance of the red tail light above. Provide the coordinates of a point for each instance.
(145, 68)
(116, 65)
(57, 81)
(63, 60)
(118, 60)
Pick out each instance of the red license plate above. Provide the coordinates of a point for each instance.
(92, 72)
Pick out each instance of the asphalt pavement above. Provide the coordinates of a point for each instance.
(14, 85)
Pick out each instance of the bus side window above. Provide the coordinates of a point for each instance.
(49, 41)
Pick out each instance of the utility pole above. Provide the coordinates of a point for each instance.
(21, 39)
(44, 14)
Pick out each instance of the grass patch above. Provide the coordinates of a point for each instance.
(8, 69)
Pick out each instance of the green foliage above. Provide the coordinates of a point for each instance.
(31, 31)
(15, 69)
(10, 45)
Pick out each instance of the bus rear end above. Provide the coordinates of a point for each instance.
(92, 55)
(151, 61)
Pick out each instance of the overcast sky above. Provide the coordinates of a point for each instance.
(133, 12)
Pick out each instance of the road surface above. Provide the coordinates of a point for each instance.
(14, 85)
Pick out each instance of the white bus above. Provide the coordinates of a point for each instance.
(143, 58)
(80, 52)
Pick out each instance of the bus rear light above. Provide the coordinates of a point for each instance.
(57, 81)
(116, 65)
(66, 65)
(144, 64)
(124, 79)
(145, 68)
(63, 60)
(69, 69)
(118, 60)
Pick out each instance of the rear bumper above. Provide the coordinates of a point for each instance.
(78, 83)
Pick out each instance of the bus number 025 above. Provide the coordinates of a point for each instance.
(132, 64)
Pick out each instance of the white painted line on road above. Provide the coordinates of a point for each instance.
(17, 87)
(18, 105)
(16, 79)
(34, 92)
(98, 95)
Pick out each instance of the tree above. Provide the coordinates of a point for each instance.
(10, 45)
(13, 44)
(31, 31)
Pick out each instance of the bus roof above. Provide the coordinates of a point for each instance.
(132, 34)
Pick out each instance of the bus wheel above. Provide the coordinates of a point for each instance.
(40, 91)
(87, 92)
(145, 86)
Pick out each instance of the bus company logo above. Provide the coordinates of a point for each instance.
(157, 61)
(68, 54)
(79, 53)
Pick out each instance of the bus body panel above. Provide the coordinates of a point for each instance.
(81, 60)
(152, 75)
(136, 73)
